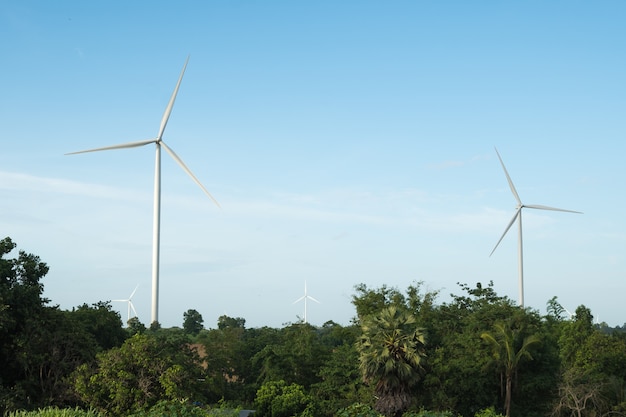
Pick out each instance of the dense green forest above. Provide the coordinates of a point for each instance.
(405, 353)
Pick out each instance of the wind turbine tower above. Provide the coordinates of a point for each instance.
(156, 225)
(518, 216)
(305, 297)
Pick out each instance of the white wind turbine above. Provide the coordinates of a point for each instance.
(129, 300)
(570, 315)
(305, 297)
(518, 216)
(158, 142)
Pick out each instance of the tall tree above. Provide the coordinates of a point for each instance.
(225, 322)
(295, 356)
(192, 322)
(580, 395)
(508, 353)
(102, 322)
(341, 383)
(593, 369)
(224, 361)
(391, 349)
(134, 377)
(369, 301)
(575, 334)
(21, 308)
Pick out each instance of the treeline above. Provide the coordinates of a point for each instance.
(405, 353)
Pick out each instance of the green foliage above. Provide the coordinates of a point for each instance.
(578, 370)
(602, 355)
(358, 410)
(458, 376)
(575, 334)
(39, 345)
(192, 322)
(135, 326)
(293, 355)
(487, 412)
(428, 413)
(225, 362)
(225, 322)
(173, 409)
(341, 383)
(160, 409)
(555, 309)
(55, 412)
(369, 302)
(391, 349)
(102, 322)
(144, 370)
(509, 349)
(580, 394)
(279, 399)
(593, 378)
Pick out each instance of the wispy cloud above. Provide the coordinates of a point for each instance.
(14, 181)
(445, 165)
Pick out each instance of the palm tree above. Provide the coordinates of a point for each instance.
(391, 349)
(503, 342)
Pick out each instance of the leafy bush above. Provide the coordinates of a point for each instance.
(186, 409)
(428, 413)
(55, 412)
(172, 409)
(488, 412)
(358, 410)
(277, 399)
(135, 376)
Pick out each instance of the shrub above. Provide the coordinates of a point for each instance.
(55, 412)
(488, 412)
(428, 413)
(277, 399)
(358, 410)
(172, 409)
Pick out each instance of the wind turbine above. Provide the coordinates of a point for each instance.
(570, 315)
(156, 225)
(518, 216)
(129, 300)
(305, 297)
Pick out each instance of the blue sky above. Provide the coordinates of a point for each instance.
(347, 142)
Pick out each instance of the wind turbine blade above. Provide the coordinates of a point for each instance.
(508, 178)
(133, 293)
(121, 146)
(299, 299)
(120, 300)
(170, 105)
(517, 212)
(535, 206)
(133, 308)
(188, 171)
(311, 298)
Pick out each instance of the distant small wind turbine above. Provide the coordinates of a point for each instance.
(156, 226)
(305, 297)
(129, 300)
(518, 216)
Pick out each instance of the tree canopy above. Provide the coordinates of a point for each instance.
(477, 354)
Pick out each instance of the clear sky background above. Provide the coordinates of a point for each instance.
(346, 141)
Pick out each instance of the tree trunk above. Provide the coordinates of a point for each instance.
(392, 402)
(507, 398)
